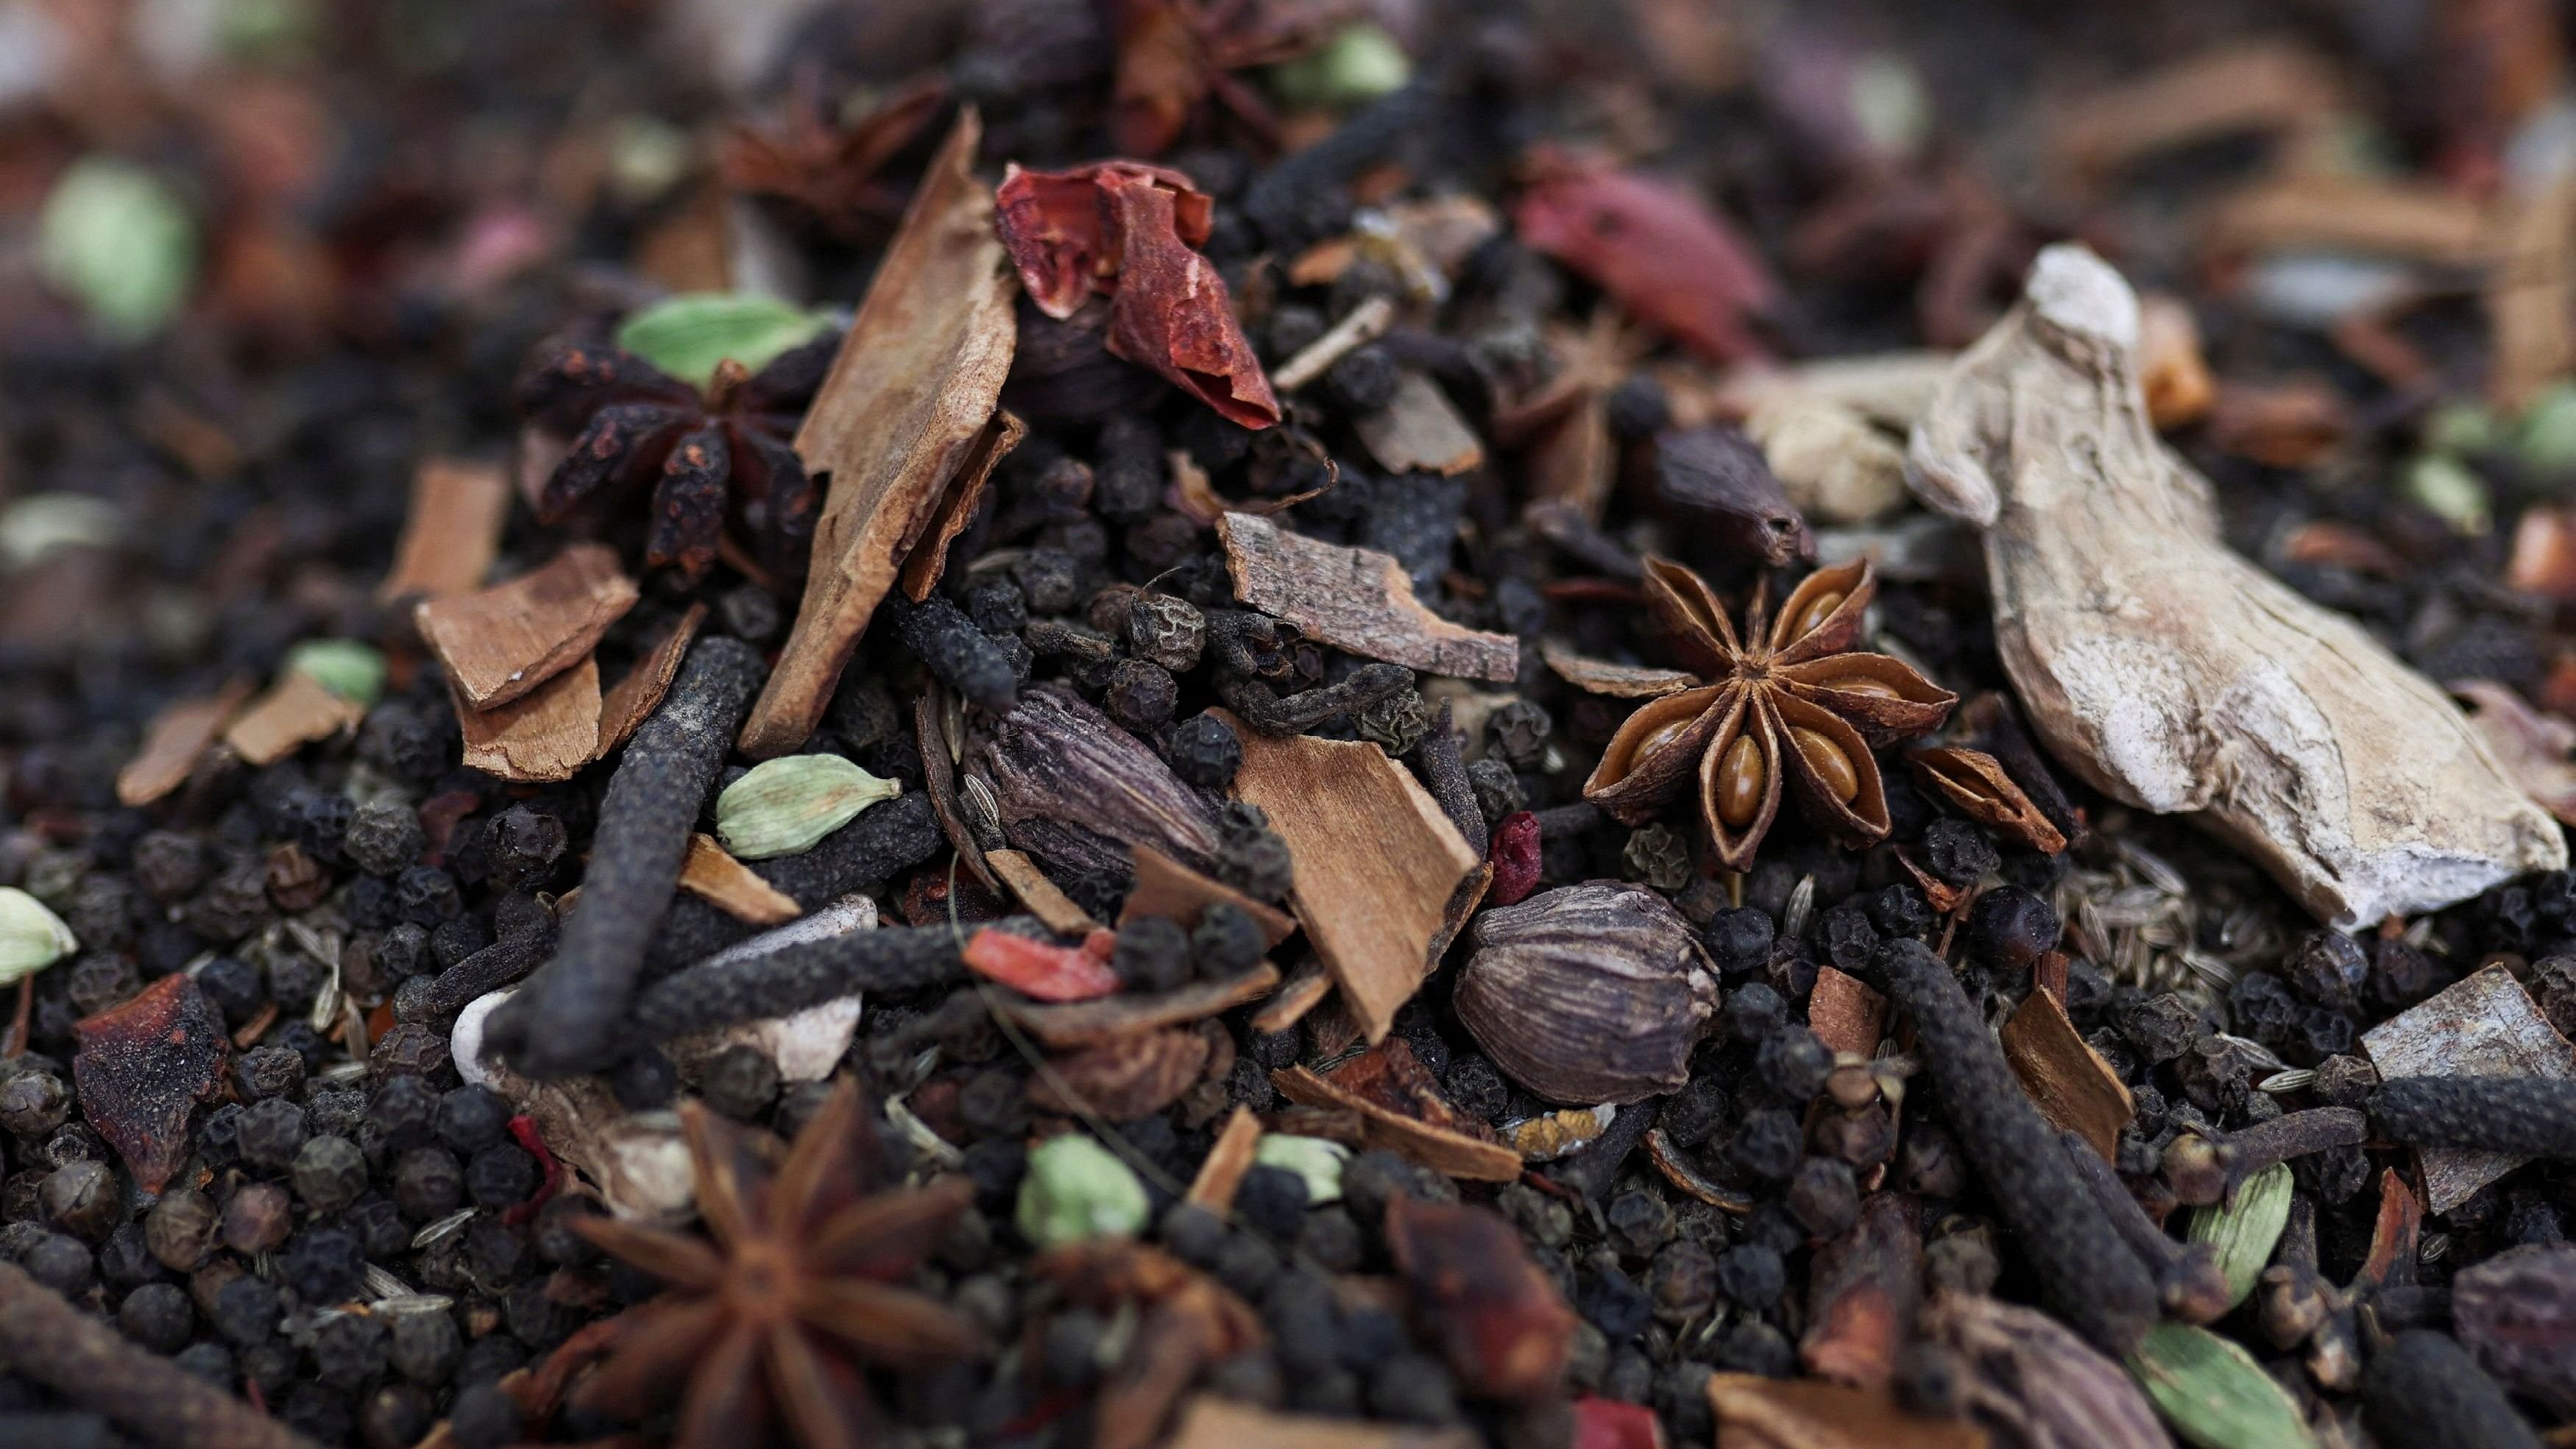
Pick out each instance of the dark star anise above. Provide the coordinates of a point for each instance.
(1789, 699)
(718, 454)
(772, 1314)
(827, 171)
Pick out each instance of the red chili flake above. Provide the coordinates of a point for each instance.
(143, 1066)
(1036, 969)
(438, 817)
(524, 1128)
(1126, 229)
(1516, 859)
(1657, 249)
(1100, 943)
(1610, 1424)
(1499, 1320)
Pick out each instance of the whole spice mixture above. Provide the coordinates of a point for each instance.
(1287, 724)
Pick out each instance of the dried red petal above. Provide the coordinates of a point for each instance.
(1658, 250)
(1610, 1424)
(1515, 855)
(1504, 1328)
(143, 1066)
(523, 1128)
(1036, 969)
(1058, 231)
(1171, 313)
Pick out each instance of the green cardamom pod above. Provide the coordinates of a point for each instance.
(2214, 1393)
(1318, 1160)
(2245, 1233)
(353, 671)
(31, 937)
(688, 335)
(787, 805)
(1075, 1189)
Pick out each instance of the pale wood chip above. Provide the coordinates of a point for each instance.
(906, 408)
(2267, 87)
(2074, 1088)
(732, 887)
(1419, 430)
(1044, 898)
(929, 559)
(2531, 295)
(453, 531)
(1356, 599)
(1208, 1422)
(1166, 888)
(1195, 496)
(294, 713)
(1754, 1412)
(181, 732)
(1439, 1148)
(1228, 1159)
(1364, 324)
(2484, 1025)
(499, 644)
(1845, 1014)
(1619, 681)
(632, 700)
(1069, 1024)
(1303, 991)
(540, 738)
(1376, 867)
(2410, 221)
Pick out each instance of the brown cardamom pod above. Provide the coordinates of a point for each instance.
(1589, 993)
(1054, 759)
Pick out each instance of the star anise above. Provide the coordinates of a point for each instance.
(716, 455)
(829, 171)
(1788, 700)
(774, 1312)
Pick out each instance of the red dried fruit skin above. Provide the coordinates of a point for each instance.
(1658, 250)
(1504, 1328)
(143, 1066)
(1515, 855)
(1057, 229)
(1610, 1424)
(1036, 969)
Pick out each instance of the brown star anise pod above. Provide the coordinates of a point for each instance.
(716, 455)
(773, 1313)
(828, 170)
(1789, 699)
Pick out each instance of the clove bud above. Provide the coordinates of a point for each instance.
(1589, 993)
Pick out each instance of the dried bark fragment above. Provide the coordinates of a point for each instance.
(1846, 1015)
(1862, 1293)
(1759, 1413)
(2321, 211)
(634, 697)
(143, 1066)
(453, 531)
(2262, 88)
(1589, 993)
(2531, 294)
(1208, 1422)
(1657, 249)
(2485, 1025)
(2395, 1231)
(1228, 1159)
(1619, 681)
(2170, 365)
(1044, 898)
(1356, 599)
(2034, 1383)
(180, 733)
(1089, 1023)
(545, 735)
(1360, 326)
(2517, 1313)
(1122, 1080)
(1419, 431)
(1187, 1321)
(2076, 1090)
(901, 416)
(709, 872)
(1378, 871)
(1303, 991)
(1499, 1320)
(958, 507)
(2172, 674)
(1404, 1113)
(296, 711)
(1166, 888)
(500, 643)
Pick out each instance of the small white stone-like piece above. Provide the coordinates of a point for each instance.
(2174, 675)
(2483, 1026)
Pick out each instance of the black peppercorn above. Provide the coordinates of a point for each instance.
(244, 1311)
(428, 1183)
(2010, 928)
(1825, 1196)
(157, 1316)
(1956, 852)
(1793, 1064)
(269, 1071)
(271, 1133)
(1767, 1143)
(1752, 1275)
(33, 1103)
(329, 1173)
(500, 1176)
(1754, 1011)
(1845, 937)
(1226, 943)
(740, 1082)
(1140, 695)
(1152, 954)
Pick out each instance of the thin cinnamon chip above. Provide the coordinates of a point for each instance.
(1208, 1422)
(500, 643)
(1356, 599)
(2311, 211)
(180, 733)
(1418, 430)
(294, 713)
(453, 531)
(1619, 681)
(1977, 784)
(1846, 1015)
(730, 885)
(1227, 1161)
(2394, 1231)
(632, 700)
(929, 560)
(1166, 888)
(2261, 87)
(1754, 1412)
(541, 738)
(1392, 1093)
(2074, 1088)
(1194, 495)
(2531, 295)
(1069, 1024)
(1377, 868)
(1303, 991)
(1362, 325)
(1044, 898)
(904, 411)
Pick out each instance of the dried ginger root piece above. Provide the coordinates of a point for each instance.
(2173, 674)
